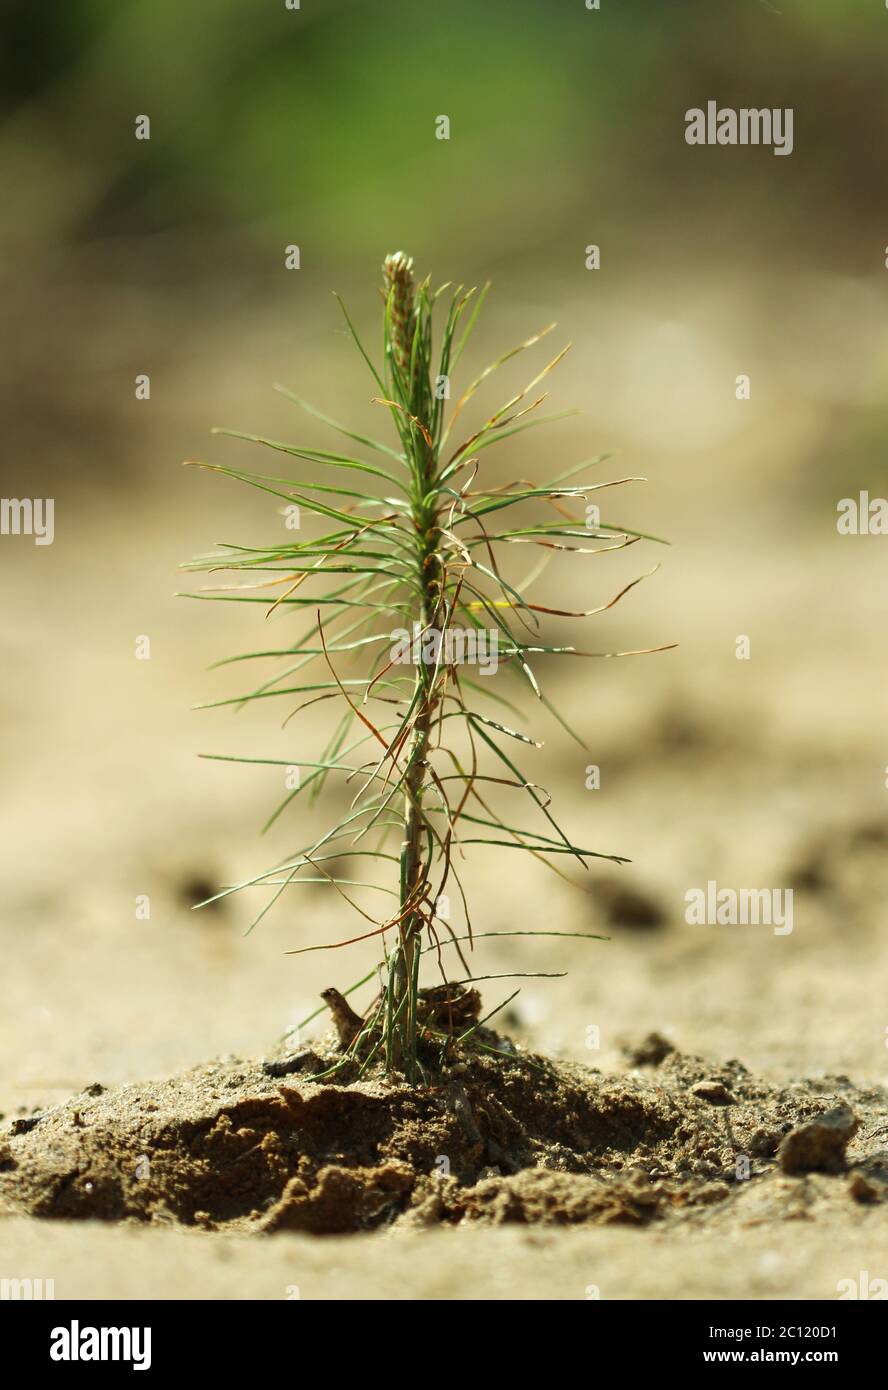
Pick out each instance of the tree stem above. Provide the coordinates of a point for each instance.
(412, 382)
(413, 868)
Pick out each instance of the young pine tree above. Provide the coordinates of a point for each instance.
(405, 584)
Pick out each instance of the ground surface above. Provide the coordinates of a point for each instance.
(684, 1151)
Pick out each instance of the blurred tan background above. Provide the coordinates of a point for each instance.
(119, 257)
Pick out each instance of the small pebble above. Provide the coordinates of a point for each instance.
(819, 1145)
(713, 1091)
(861, 1188)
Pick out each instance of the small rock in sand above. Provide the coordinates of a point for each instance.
(818, 1145)
(713, 1091)
(861, 1188)
(650, 1052)
(25, 1125)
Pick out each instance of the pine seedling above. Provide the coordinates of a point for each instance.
(411, 621)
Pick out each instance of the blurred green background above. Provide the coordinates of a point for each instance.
(268, 122)
(316, 127)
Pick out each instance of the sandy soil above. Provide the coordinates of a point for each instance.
(468, 1263)
(698, 1156)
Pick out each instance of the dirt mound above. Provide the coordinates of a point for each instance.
(507, 1136)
